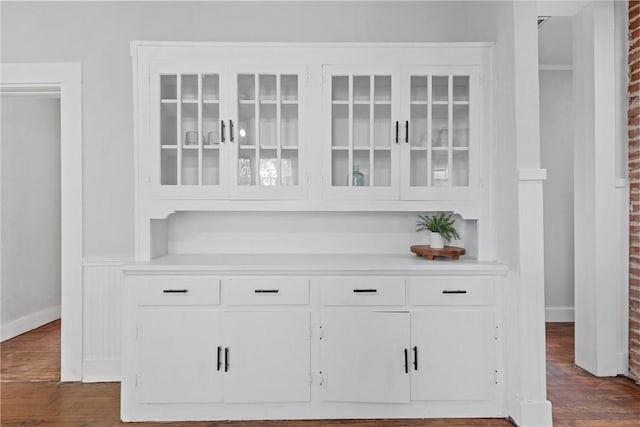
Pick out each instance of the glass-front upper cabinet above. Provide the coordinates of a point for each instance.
(189, 123)
(440, 130)
(363, 132)
(265, 133)
(229, 133)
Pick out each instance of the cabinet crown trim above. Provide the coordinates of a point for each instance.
(445, 45)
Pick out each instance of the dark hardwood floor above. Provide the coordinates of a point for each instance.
(579, 399)
(31, 395)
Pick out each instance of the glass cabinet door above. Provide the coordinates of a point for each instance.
(267, 133)
(190, 129)
(438, 130)
(364, 132)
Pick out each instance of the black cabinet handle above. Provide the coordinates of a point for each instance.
(406, 361)
(365, 291)
(175, 291)
(415, 358)
(397, 131)
(226, 359)
(222, 139)
(266, 291)
(454, 292)
(406, 131)
(219, 358)
(231, 130)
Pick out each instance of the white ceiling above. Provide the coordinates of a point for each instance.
(559, 7)
(555, 41)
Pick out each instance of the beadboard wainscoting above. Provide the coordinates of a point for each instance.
(102, 322)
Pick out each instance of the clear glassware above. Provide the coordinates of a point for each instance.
(358, 177)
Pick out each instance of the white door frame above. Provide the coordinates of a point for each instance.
(65, 79)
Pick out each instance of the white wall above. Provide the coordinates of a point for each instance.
(555, 42)
(30, 213)
(308, 232)
(98, 35)
(555, 56)
(556, 142)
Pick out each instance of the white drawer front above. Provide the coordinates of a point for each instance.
(265, 291)
(178, 291)
(451, 291)
(362, 291)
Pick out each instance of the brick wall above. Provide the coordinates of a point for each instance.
(634, 181)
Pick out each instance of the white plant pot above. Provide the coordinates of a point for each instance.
(437, 242)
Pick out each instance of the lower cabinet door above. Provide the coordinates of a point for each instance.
(456, 354)
(268, 356)
(365, 356)
(178, 355)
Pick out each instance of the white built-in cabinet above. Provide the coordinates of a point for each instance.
(443, 348)
(226, 132)
(201, 356)
(454, 354)
(404, 132)
(304, 347)
(310, 127)
(236, 132)
(188, 350)
(364, 356)
(431, 355)
(265, 350)
(400, 124)
(172, 365)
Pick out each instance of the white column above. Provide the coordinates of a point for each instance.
(598, 282)
(533, 408)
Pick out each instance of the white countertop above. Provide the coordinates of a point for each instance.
(312, 264)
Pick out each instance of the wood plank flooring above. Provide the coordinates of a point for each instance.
(32, 396)
(34, 356)
(579, 399)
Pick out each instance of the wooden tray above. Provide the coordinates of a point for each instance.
(428, 252)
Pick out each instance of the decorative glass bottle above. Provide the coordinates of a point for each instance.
(358, 177)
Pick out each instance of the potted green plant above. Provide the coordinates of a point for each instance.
(441, 227)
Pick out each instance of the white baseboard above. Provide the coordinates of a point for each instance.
(535, 414)
(29, 322)
(559, 314)
(623, 363)
(101, 371)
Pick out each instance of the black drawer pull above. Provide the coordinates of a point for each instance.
(406, 131)
(219, 358)
(454, 292)
(406, 361)
(226, 359)
(415, 358)
(365, 291)
(397, 132)
(266, 291)
(175, 291)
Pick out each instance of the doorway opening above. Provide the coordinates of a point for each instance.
(63, 81)
(30, 233)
